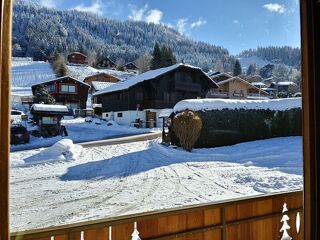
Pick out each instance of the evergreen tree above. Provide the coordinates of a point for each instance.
(156, 57)
(252, 69)
(167, 57)
(237, 68)
(43, 96)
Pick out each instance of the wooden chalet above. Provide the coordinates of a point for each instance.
(237, 88)
(144, 95)
(101, 77)
(67, 91)
(106, 63)
(77, 58)
(131, 66)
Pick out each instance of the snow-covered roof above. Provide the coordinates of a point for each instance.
(61, 78)
(101, 85)
(165, 112)
(78, 53)
(219, 104)
(49, 108)
(145, 77)
(286, 84)
(258, 84)
(220, 74)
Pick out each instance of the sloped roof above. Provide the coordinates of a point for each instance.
(59, 79)
(214, 76)
(101, 73)
(77, 53)
(49, 108)
(147, 76)
(97, 85)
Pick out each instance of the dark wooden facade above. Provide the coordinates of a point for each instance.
(160, 92)
(67, 91)
(101, 77)
(77, 58)
(106, 63)
(131, 66)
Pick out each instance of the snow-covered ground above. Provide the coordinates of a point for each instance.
(76, 184)
(81, 131)
(81, 72)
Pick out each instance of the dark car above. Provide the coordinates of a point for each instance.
(19, 134)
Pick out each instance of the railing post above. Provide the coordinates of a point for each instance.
(224, 225)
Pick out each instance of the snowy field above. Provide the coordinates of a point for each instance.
(81, 131)
(81, 72)
(72, 184)
(25, 72)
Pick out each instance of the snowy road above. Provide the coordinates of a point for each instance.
(137, 177)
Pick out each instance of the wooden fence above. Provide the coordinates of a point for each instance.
(256, 218)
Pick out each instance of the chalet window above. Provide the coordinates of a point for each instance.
(49, 120)
(51, 88)
(72, 105)
(67, 88)
(120, 114)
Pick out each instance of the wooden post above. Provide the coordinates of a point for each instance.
(310, 47)
(5, 64)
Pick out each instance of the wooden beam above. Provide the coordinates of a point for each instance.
(5, 64)
(310, 30)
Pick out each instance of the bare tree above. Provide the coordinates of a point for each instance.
(144, 62)
(92, 58)
(218, 66)
(120, 62)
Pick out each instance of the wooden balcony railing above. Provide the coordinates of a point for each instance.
(256, 218)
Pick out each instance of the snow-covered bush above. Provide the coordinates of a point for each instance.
(187, 127)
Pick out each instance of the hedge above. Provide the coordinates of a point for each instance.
(228, 127)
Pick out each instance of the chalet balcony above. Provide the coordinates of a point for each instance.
(218, 95)
(248, 218)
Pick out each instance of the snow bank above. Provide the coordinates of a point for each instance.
(64, 150)
(219, 104)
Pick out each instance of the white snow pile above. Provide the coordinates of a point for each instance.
(64, 150)
(209, 104)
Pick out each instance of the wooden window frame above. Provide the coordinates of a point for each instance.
(68, 84)
(310, 47)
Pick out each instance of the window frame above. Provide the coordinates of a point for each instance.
(68, 85)
(310, 47)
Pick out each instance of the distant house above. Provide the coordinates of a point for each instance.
(77, 58)
(101, 77)
(237, 88)
(284, 88)
(106, 63)
(48, 118)
(67, 91)
(145, 95)
(131, 67)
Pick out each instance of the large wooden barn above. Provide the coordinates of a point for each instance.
(67, 91)
(146, 95)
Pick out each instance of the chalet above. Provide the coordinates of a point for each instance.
(101, 77)
(77, 58)
(284, 89)
(131, 67)
(145, 95)
(48, 118)
(237, 88)
(67, 91)
(106, 63)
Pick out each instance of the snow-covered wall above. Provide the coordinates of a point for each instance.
(218, 104)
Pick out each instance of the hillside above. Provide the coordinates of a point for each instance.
(39, 31)
(287, 55)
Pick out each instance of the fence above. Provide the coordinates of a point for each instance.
(256, 218)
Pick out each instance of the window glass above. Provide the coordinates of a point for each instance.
(64, 88)
(49, 120)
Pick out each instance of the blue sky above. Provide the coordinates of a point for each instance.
(234, 24)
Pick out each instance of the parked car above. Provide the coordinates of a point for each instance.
(19, 134)
(17, 116)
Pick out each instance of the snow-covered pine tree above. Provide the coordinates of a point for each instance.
(43, 96)
(285, 226)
